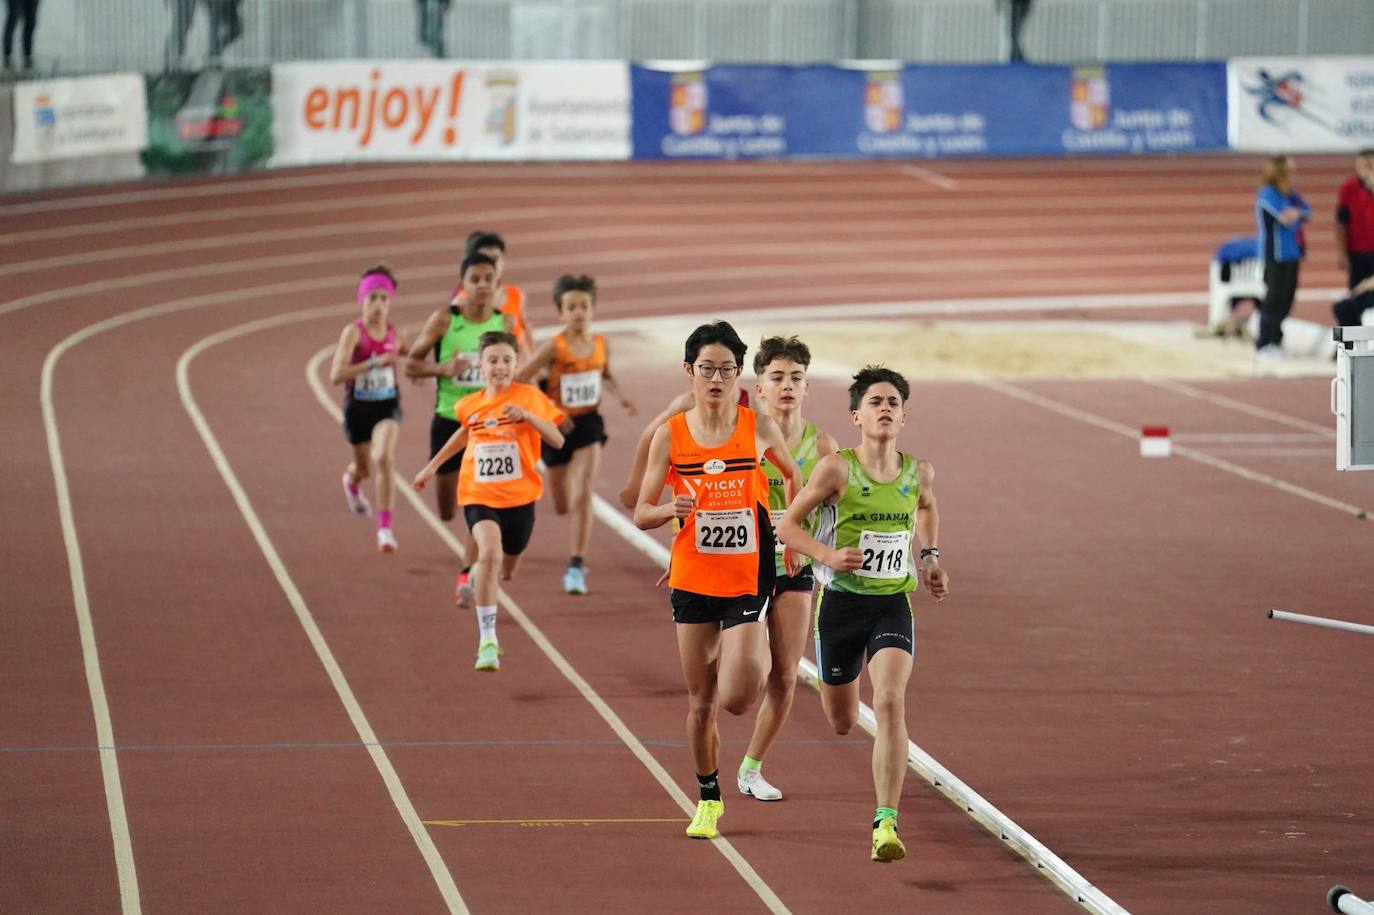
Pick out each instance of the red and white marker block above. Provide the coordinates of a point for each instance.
(1154, 442)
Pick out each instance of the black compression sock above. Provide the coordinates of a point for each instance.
(575, 562)
(710, 786)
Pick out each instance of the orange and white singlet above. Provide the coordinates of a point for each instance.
(514, 305)
(500, 461)
(718, 551)
(575, 381)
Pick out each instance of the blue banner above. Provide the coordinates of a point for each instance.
(738, 112)
(725, 112)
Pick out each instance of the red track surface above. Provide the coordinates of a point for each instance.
(1103, 674)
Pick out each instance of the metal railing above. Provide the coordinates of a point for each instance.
(104, 35)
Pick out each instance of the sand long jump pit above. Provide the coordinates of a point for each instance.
(953, 350)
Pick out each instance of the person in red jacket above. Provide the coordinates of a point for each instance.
(1355, 238)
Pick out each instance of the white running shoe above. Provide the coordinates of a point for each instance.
(357, 502)
(575, 580)
(753, 783)
(386, 540)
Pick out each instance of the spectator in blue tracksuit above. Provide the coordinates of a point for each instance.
(1280, 213)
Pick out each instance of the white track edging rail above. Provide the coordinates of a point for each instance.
(1322, 621)
(922, 763)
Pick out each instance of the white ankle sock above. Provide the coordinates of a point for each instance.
(486, 623)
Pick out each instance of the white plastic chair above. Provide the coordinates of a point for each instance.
(1246, 282)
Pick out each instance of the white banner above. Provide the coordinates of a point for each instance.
(1301, 104)
(439, 110)
(88, 116)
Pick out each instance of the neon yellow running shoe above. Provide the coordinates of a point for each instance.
(704, 823)
(886, 846)
(488, 656)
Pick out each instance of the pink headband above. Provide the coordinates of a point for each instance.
(372, 282)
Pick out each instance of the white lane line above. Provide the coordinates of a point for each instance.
(1239, 406)
(1327, 452)
(1045, 171)
(109, 763)
(95, 683)
(922, 763)
(224, 188)
(930, 177)
(370, 175)
(730, 192)
(1201, 457)
(1238, 438)
(437, 868)
(730, 196)
(721, 844)
(669, 250)
(1102, 223)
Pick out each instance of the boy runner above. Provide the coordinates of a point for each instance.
(780, 365)
(873, 499)
(499, 482)
(579, 365)
(722, 557)
(508, 297)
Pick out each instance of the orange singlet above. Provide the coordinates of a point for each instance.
(718, 551)
(514, 305)
(500, 462)
(575, 381)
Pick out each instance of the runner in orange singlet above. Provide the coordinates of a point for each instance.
(578, 363)
(510, 299)
(722, 559)
(499, 482)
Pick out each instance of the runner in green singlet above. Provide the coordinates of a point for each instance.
(451, 336)
(780, 366)
(873, 500)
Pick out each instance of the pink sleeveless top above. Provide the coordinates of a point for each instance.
(379, 382)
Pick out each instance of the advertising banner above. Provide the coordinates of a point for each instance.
(72, 118)
(1301, 104)
(212, 121)
(721, 112)
(438, 110)
(927, 111)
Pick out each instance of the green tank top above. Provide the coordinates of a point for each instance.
(461, 337)
(878, 518)
(805, 454)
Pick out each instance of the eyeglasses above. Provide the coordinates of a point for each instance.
(707, 371)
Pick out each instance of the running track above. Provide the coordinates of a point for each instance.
(296, 721)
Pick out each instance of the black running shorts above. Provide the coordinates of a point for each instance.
(360, 417)
(441, 429)
(805, 580)
(516, 523)
(852, 626)
(588, 429)
(690, 607)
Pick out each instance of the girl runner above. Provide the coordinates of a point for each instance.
(365, 364)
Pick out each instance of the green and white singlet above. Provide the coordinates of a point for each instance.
(805, 454)
(878, 518)
(462, 337)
